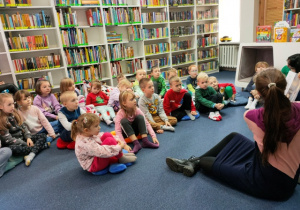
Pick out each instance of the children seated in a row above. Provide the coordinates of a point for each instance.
(15, 134)
(98, 152)
(226, 89)
(152, 107)
(158, 81)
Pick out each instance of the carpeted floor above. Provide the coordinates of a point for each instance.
(55, 180)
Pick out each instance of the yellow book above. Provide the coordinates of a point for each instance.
(281, 34)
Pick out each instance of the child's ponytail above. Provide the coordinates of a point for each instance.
(74, 130)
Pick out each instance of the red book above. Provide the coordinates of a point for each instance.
(89, 17)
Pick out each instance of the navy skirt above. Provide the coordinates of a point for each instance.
(239, 164)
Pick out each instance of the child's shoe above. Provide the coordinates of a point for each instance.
(167, 128)
(148, 144)
(28, 158)
(137, 147)
(71, 145)
(102, 172)
(108, 122)
(253, 105)
(188, 112)
(217, 114)
(117, 168)
(61, 144)
(250, 100)
(212, 116)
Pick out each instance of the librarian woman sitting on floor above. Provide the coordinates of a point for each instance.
(269, 166)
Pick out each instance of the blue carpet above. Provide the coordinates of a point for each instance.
(55, 179)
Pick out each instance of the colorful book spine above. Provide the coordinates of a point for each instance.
(121, 16)
(133, 66)
(113, 36)
(153, 3)
(154, 17)
(134, 33)
(209, 66)
(68, 3)
(203, 2)
(181, 16)
(181, 45)
(156, 48)
(67, 18)
(207, 41)
(154, 33)
(90, 73)
(207, 54)
(114, 2)
(184, 71)
(207, 14)
(74, 37)
(182, 31)
(115, 68)
(21, 43)
(180, 2)
(94, 17)
(207, 28)
(183, 58)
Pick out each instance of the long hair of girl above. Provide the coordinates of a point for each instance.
(85, 120)
(122, 100)
(18, 96)
(3, 116)
(277, 109)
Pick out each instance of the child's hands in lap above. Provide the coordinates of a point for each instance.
(219, 106)
(193, 112)
(30, 142)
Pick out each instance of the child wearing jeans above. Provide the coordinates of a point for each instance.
(178, 102)
(115, 93)
(152, 107)
(140, 73)
(130, 121)
(207, 99)
(158, 81)
(97, 152)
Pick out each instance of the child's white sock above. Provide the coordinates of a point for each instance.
(188, 112)
(167, 128)
(253, 104)
(250, 100)
(28, 159)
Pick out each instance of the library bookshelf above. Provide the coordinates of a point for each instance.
(100, 39)
(291, 12)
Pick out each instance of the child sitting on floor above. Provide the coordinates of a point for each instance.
(115, 93)
(172, 73)
(158, 81)
(98, 152)
(178, 102)
(140, 73)
(226, 89)
(152, 107)
(71, 111)
(33, 117)
(191, 81)
(207, 99)
(45, 100)
(130, 121)
(15, 134)
(100, 100)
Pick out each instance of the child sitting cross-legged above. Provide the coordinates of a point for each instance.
(71, 111)
(226, 89)
(140, 73)
(152, 107)
(113, 100)
(158, 81)
(178, 102)
(98, 152)
(207, 99)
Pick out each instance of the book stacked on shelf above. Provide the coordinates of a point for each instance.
(121, 15)
(182, 31)
(207, 28)
(206, 54)
(207, 41)
(292, 19)
(114, 2)
(36, 63)
(25, 21)
(115, 68)
(291, 4)
(116, 52)
(173, 3)
(207, 14)
(154, 17)
(153, 3)
(183, 58)
(183, 71)
(113, 36)
(161, 62)
(295, 35)
(203, 2)
(155, 33)
(90, 73)
(133, 66)
(134, 33)
(29, 83)
(181, 45)
(157, 48)
(86, 55)
(67, 18)
(19, 3)
(263, 33)
(94, 17)
(209, 66)
(74, 37)
(63, 3)
(181, 16)
(21, 43)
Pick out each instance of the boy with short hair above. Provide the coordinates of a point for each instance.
(178, 102)
(191, 81)
(226, 89)
(207, 99)
(71, 111)
(158, 81)
(140, 73)
(172, 73)
(152, 106)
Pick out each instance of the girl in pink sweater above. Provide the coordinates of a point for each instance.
(98, 152)
(33, 116)
(130, 121)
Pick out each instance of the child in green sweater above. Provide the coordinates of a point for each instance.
(158, 81)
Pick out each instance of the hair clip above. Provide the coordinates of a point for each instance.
(85, 120)
(271, 84)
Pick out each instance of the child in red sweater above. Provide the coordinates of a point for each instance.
(100, 100)
(178, 102)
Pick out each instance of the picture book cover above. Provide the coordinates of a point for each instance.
(281, 31)
(293, 85)
(295, 35)
(264, 33)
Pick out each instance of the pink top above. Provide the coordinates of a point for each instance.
(287, 157)
(36, 120)
(86, 148)
(121, 114)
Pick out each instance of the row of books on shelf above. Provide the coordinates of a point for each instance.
(36, 63)
(20, 21)
(86, 55)
(134, 33)
(181, 45)
(66, 18)
(203, 2)
(29, 83)
(114, 2)
(292, 18)
(120, 52)
(182, 31)
(64, 3)
(207, 14)
(21, 43)
(180, 2)
(181, 16)
(291, 4)
(73, 37)
(207, 41)
(212, 65)
(156, 48)
(90, 73)
(154, 33)
(119, 16)
(94, 17)
(130, 68)
(161, 62)
(206, 54)
(183, 58)
(154, 17)
(207, 28)
(153, 3)
(113, 36)
(13, 3)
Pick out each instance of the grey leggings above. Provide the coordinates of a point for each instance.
(5, 154)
